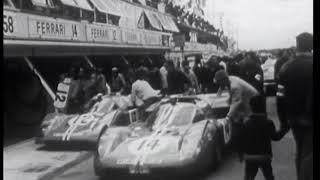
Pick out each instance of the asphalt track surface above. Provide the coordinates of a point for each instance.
(230, 169)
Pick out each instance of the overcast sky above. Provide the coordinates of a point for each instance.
(265, 24)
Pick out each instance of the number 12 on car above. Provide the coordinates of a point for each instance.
(62, 95)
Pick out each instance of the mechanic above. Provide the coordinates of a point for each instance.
(142, 92)
(191, 76)
(118, 83)
(212, 66)
(177, 81)
(295, 103)
(240, 95)
(251, 72)
(257, 136)
(103, 86)
(163, 74)
(197, 69)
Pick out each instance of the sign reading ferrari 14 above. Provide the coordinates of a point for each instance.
(47, 28)
(34, 27)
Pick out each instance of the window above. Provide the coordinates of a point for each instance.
(175, 115)
(114, 20)
(101, 17)
(122, 119)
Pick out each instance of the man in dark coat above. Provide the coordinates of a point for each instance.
(295, 103)
(251, 72)
(177, 81)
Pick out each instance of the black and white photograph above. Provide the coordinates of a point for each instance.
(158, 89)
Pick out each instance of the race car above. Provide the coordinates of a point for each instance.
(179, 136)
(83, 130)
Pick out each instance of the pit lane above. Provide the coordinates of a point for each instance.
(229, 169)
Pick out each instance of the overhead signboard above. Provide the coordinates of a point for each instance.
(17, 25)
(151, 39)
(14, 25)
(55, 29)
(131, 37)
(103, 33)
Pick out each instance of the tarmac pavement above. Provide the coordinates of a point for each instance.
(30, 161)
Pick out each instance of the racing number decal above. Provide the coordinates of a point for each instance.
(147, 146)
(8, 24)
(74, 123)
(74, 31)
(61, 95)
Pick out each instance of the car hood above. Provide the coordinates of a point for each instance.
(165, 147)
(78, 126)
(68, 127)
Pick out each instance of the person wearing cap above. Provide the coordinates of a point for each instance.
(118, 83)
(241, 93)
(190, 75)
(295, 103)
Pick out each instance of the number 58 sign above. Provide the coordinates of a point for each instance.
(9, 24)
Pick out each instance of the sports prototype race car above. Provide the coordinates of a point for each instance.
(180, 135)
(83, 130)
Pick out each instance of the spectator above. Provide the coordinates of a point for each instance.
(118, 83)
(295, 103)
(283, 58)
(258, 133)
(240, 95)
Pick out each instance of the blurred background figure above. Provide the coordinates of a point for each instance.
(118, 84)
(186, 69)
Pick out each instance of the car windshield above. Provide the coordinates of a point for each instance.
(174, 115)
(105, 106)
